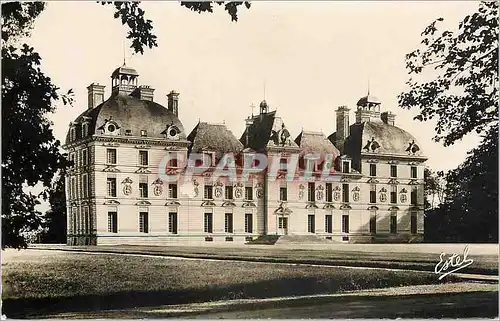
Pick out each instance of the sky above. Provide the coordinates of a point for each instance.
(304, 58)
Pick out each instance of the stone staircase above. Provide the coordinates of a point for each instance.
(304, 239)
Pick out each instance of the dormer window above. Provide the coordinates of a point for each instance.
(346, 166)
(111, 128)
(72, 134)
(85, 130)
(283, 164)
(144, 133)
(310, 165)
(128, 132)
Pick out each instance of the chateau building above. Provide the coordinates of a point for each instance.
(120, 190)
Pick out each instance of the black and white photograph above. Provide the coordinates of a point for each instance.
(250, 159)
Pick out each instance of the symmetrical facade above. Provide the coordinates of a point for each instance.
(120, 189)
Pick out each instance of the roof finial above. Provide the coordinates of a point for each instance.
(252, 106)
(123, 51)
(368, 85)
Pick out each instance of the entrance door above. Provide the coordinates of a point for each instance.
(282, 225)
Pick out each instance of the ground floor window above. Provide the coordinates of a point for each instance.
(310, 224)
(328, 223)
(345, 223)
(228, 223)
(373, 222)
(143, 222)
(282, 222)
(172, 222)
(394, 223)
(248, 223)
(112, 222)
(208, 227)
(413, 223)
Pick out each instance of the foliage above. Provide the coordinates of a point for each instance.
(469, 212)
(207, 6)
(463, 91)
(30, 152)
(55, 230)
(433, 188)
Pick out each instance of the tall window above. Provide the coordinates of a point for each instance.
(248, 223)
(208, 192)
(86, 220)
(73, 187)
(373, 221)
(393, 222)
(111, 186)
(373, 193)
(143, 157)
(283, 194)
(111, 156)
(413, 222)
(328, 223)
(413, 170)
(345, 223)
(394, 194)
(85, 184)
(394, 170)
(172, 190)
(413, 196)
(329, 192)
(172, 222)
(310, 224)
(283, 164)
(208, 227)
(112, 222)
(229, 192)
(228, 223)
(85, 130)
(345, 167)
(72, 160)
(143, 222)
(373, 170)
(310, 192)
(310, 164)
(85, 158)
(249, 193)
(143, 190)
(345, 193)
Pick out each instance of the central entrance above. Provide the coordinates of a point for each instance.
(283, 225)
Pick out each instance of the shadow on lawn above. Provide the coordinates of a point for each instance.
(26, 308)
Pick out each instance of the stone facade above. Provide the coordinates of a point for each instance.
(116, 193)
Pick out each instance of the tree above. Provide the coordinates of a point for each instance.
(462, 94)
(30, 152)
(55, 226)
(463, 91)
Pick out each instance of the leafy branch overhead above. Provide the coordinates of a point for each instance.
(463, 67)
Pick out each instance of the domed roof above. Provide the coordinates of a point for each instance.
(263, 104)
(131, 116)
(124, 70)
(380, 138)
(368, 99)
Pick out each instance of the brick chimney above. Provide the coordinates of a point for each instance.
(342, 126)
(388, 118)
(144, 92)
(173, 102)
(95, 94)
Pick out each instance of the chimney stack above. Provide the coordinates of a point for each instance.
(144, 92)
(95, 94)
(173, 102)
(388, 118)
(342, 127)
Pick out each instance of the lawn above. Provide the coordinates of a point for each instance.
(424, 261)
(37, 282)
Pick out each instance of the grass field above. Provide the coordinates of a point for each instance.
(417, 256)
(37, 282)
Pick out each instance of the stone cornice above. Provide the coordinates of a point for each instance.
(393, 157)
(128, 140)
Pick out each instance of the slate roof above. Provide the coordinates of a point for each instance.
(213, 137)
(315, 142)
(264, 132)
(131, 113)
(391, 139)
